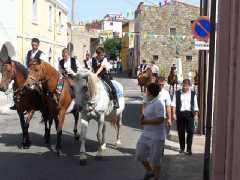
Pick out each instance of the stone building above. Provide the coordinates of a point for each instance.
(164, 34)
(127, 50)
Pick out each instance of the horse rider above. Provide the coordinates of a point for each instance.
(100, 67)
(68, 67)
(155, 69)
(174, 68)
(35, 54)
(87, 62)
(142, 67)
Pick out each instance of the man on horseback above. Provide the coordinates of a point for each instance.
(100, 68)
(142, 67)
(35, 54)
(68, 67)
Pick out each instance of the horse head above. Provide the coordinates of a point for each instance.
(35, 74)
(85, 88)
(8, 73)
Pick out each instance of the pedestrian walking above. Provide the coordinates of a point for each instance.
(185, 111)
(165, 98)
(150, 145)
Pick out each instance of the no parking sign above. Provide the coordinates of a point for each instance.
(201, 28)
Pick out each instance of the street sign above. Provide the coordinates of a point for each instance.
(201, 45)
(201, 28)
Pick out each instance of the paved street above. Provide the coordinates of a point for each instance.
(41, 163)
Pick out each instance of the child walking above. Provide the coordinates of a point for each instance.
(150, 146)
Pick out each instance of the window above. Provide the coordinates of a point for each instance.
(50, 18)
(34, 10)
(50, 55)
(60, 22)
(173, 31)
(189, 58)
(155, 57)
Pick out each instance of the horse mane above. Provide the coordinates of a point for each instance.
(49, 67)
(92, 84)
(21, 68)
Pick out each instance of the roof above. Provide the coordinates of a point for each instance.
(60, 5)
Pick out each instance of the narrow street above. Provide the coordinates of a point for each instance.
(41, 163)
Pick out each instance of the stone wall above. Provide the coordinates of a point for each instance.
(153, 25)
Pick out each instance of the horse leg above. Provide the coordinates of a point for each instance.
(99, 132)
(104, 146)
(119, 123)
(48, 124)
(75, 130)
(22, 122)
(83, 137)
(61, 116)
(26, 139)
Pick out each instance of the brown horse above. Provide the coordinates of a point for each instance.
(144, 79)
(27, 101)
(43, 73)
(173, 80)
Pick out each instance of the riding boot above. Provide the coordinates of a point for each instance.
(13, 107)
(115, 103)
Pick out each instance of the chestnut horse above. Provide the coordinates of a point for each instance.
(26, 101)
(58, 104)
(144, 79)
(173, 80)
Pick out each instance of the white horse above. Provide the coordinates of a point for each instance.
(94, 103)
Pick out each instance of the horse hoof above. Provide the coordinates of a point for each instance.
(60, 153)
(83, 162)
(26, 145)
(76, 138)
(118, 142)
(103, 147)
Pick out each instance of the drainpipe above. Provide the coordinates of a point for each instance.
(23, 57)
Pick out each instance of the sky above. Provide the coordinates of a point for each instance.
(88, 10)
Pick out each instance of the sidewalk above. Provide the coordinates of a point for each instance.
(180, 166)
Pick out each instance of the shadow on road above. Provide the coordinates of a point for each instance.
(39, 163)
(131, 115)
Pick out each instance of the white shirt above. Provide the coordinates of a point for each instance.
(42, 57)
(155, 69)
(67, 66)
(165, 98)
(107, 64)
(154, 109)
(186, 101)
(89, 64)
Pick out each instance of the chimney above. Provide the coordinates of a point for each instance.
(74, 4)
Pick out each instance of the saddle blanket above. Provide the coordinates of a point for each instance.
(119, 88)
(60, 86)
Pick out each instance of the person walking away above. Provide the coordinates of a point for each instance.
(100, 66)
(150, 146)
(185, 111)
(35, 54)
(155, 69)
(165, 98)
